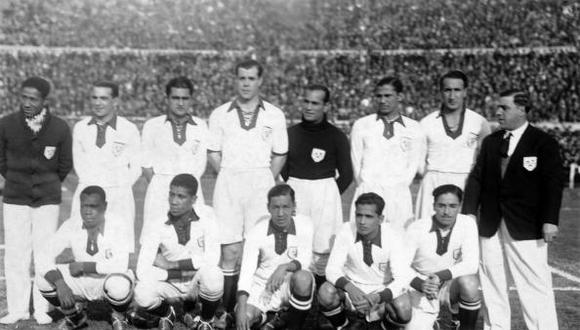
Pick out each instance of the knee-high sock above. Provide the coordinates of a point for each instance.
(336, 316)
(163, 310)
(231, 278)
(298, 310)
(208, 308)
(51, 297)
(468, 312)
(319, 279)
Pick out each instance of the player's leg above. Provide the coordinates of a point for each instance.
(298, 291)
(18, 252)
(118, 292)
(398, 312)
(330, 300)
(464, 291)
(153, 297)
(207, 288)
(424, 311)
(44, 225)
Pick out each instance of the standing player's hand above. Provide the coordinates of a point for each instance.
(75, 269)
(277, 279)
(65, 295)
(242, 320)
(550, 232)
(358, 298)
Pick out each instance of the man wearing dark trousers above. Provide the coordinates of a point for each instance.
(516, 185)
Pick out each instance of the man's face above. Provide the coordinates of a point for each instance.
(180, 200)
(387, 100)
(103, 104)
(31, 101)
(453, 93)
(180, 101)
(248, 83)
(367, 219)
(508, 114)
(92, 210)
(281, 209)
(446, 208)
(314, 108)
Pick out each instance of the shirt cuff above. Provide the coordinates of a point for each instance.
(417, 284)
(342, 282)
(173, 274)
(444, 275)
(90, 267)
(52, 276)
(386, 295)
(297, 264)
(242, 293)
(185, 264)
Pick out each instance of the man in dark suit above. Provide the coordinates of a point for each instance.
(516, 184)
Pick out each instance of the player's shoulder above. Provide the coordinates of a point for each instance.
(364, 121)
(84, 121)
(71, 225)
(200, 122)
(124, 122)
(430, 117)
(222, 109)
(205, 213)
(473, 115)
(155, 120)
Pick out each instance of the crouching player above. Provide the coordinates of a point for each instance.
(445, 255)
(367, 271)
(179, 261)
(100, 267)
(271, 275)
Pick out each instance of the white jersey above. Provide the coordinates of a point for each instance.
(203, 247)
(112, 255)
(247, 146)
(453, 155)
(388, 270)
(387, 162)
(461, 256)
(167, 157)
(116, 163)
(260, 259)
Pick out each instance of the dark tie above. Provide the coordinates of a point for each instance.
(178, 132)
(505, 144)
(101, 130)
(281, 239)
(389, 130)
(92, 247)
(367, 252)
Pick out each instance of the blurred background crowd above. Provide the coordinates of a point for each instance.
(499, 44)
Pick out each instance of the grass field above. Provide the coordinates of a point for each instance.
(563, 256)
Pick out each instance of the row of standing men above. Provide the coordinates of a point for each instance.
(248, 145)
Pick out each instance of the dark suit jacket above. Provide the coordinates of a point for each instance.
(530, 193)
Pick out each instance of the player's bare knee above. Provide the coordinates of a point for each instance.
(469, 287)
(328, 297)
(402, 308)
(118, 289)
(301, 283)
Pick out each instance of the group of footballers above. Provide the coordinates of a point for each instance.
(267, 250)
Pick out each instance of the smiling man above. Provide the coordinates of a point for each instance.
(106, 152)
(444, 253)
(386, 150)
(317, 152)
(247, 147)
(516, 187)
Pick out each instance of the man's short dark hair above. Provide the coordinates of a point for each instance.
(40, 84)
(520, 98)
(448, 189)
(322, 88)
(248, 64)
(94, 190)
(454, 74)
(281, 190)
(108, 84)
(393, 81)
(187, 181)
(371, 198)
(179, 82)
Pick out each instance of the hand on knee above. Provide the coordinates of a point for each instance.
(398, 312)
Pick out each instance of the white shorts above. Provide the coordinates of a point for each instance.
(240, 200)
(267, 301)
(398, 202)
(425, 311)
(156, 203)
(377, 311)
(320, 200)
(432, 180)
(120, 201)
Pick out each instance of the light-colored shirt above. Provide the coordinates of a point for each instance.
(251, 146)
(515, 138)
(116, 163)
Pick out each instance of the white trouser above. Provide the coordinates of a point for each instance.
(527, 261)
(120, 201)
(398, 202)
(26, 230)
(156, 202)
(432, 180)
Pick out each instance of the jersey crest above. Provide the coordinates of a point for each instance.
(201, 242)
(118, 147)
(49, 152)
(108, 254)
(266, 132)
(472, 140)
(530, 163)
(317, 155)
(457, 254)
(195, 146)
(405, 143)
(292, 252)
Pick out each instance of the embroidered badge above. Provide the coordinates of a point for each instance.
(317, 155)
(385, 268)
(471, 141)
(118, 147)
(457, 254)
(108, 254)
(530, 163)
(266, 132)
(292, 252)
(49, 152)
(201, 242)
(405, 143)
(195, 146)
